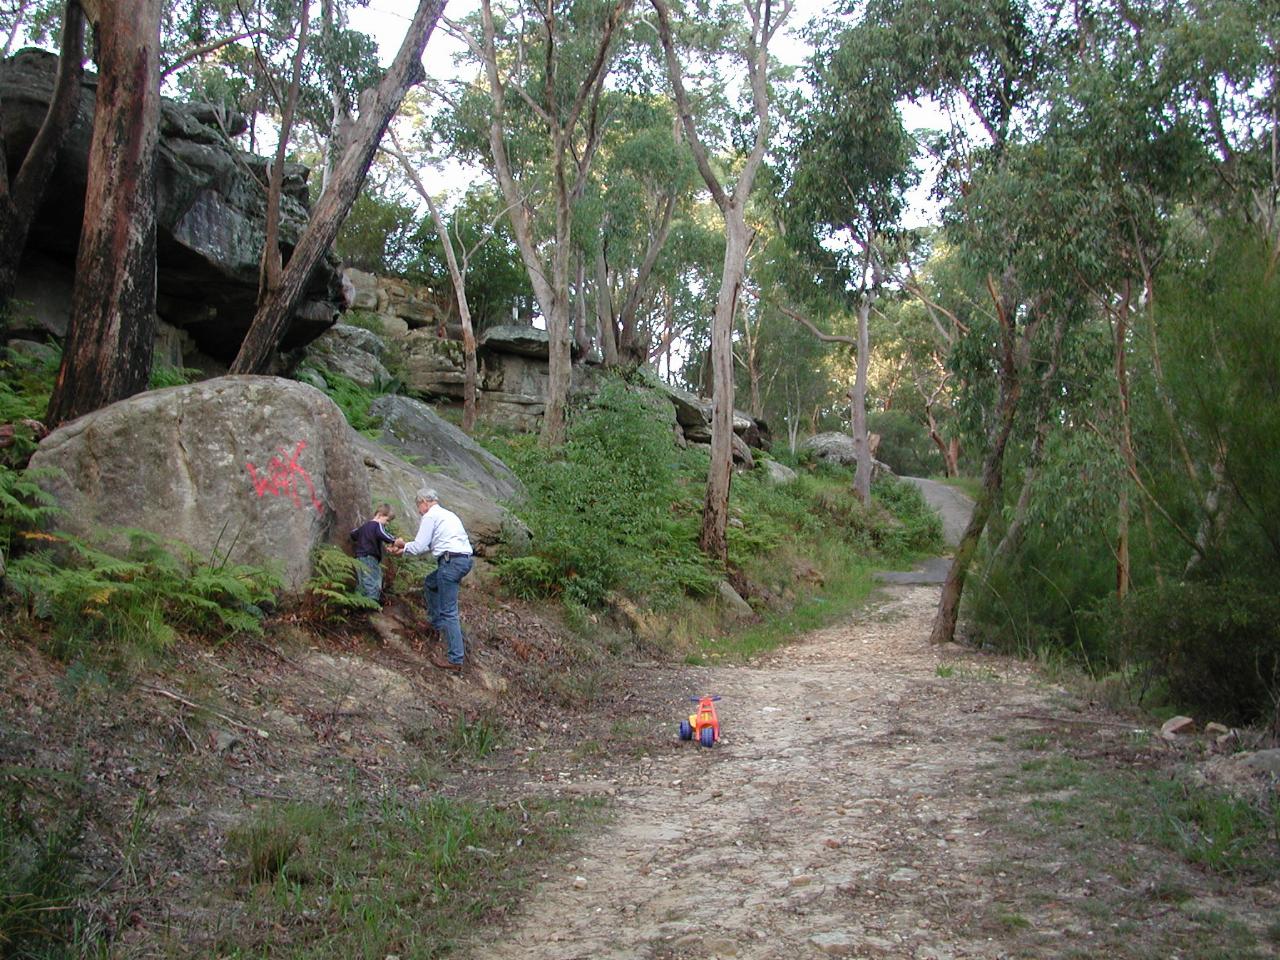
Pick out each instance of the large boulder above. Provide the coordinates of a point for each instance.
(514, 339)
(416, 305)
(210, 217)
(352, 352)
(838, 448)
(693, 413)
(257, 469)
(490, 526)
(417, 433)
(433, 366)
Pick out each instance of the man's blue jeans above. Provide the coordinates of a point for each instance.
(440, 591)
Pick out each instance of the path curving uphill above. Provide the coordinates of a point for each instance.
(953, 506)
(858, 805)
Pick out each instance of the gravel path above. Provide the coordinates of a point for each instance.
(858, 805)
(837, 816)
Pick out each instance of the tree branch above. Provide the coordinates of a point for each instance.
(212, 46)
(809, 324)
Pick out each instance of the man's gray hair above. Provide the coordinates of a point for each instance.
(428, 493)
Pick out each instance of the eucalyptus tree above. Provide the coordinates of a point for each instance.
(789, 371)
(498, 288)
(678, 325)
(36, 21)
(111, 331)
(986, 64)
(747, 44)
(377, 106)
(850, 168)
(535, 121)
(644, 186)
(457, 266)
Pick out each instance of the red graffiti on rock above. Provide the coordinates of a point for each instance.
(285, 478)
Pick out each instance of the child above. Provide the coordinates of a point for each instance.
(369, 538)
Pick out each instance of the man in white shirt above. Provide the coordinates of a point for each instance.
(441, 534)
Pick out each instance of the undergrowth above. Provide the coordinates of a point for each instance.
(619, 508)
(132, 601)
(385, 876)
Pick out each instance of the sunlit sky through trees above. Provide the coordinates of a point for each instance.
(387, 26)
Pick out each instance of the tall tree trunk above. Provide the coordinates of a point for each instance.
(581, 332)
(608, 330)
(111, 334)
(550, 287)
(712, 537)
(715, 512)
(271, 261)
(469, 375)
(858, 396)
(377, 106)
(1121, 330)
(559, 359)
(458, 277)
(20, 200)
(1013, 350)
(631, 351)
(944, 624)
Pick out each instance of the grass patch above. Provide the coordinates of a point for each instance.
(971, 487)
(373, 878)
(846, 589)
(1210, 830)
(42, 888)
(474, 738)
(964, 671)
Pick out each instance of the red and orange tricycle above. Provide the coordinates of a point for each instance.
(703, 725)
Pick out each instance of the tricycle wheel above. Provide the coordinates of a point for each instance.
(707, 737)
(686, 731)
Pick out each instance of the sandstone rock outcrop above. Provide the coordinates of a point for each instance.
(417, 433)
(258, 470)
(395, 480)
(210, 220)
(838, 448)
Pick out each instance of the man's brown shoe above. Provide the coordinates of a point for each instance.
(445, 664)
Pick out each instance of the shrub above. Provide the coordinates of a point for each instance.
(353, 400)
(904, 444)
(1216, 645)
(40, 831)
(608, 512)
(332, 586)
(96, 600)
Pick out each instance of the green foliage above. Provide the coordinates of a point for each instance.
(100, 604)
(377, 234)
(166, 376)
(612, 511)
(332, 585)
(26, 382)
(474, 738)
(904, 444)
(1214, 646)
(496, 278)
(40, 882)
(1220, 833)
(24, 504)
(383, 876)
(918, 528)
(620, 510)
(352, 399)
